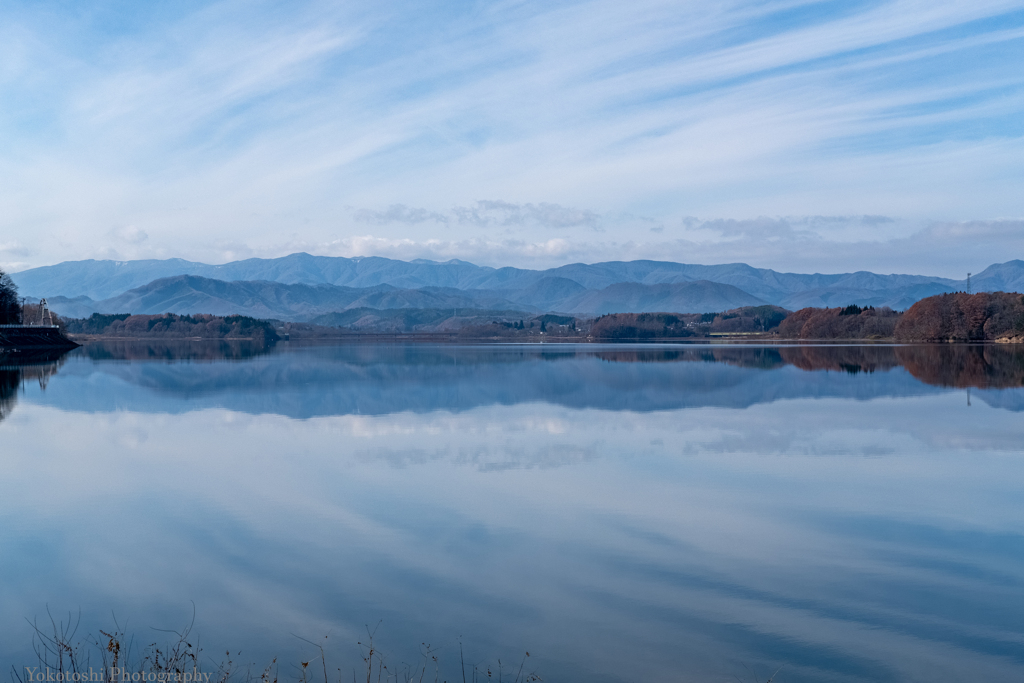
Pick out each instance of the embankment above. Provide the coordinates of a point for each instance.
(29, 337)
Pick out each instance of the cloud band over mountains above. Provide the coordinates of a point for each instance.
(796, 244)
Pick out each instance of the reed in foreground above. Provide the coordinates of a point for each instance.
(114, 656)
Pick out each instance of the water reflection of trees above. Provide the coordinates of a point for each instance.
(10, 380)
(850, 359)
(761, 357)
(15, 369)
(947, 365)
(983, 366)
(175, 350)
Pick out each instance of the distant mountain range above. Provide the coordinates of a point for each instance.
(184, 294)
(301, 287)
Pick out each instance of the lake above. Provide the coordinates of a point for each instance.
(623, 513)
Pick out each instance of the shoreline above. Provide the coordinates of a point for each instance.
(455, 339)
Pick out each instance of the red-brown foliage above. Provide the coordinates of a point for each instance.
(963, 317)
(834, 323)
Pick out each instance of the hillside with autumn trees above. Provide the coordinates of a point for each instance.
(852, 322)
(954, 317)
(961, 317)
(170, 326)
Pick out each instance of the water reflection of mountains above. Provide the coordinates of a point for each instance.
(312, 381)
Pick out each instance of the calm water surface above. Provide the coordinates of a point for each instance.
(654, 513)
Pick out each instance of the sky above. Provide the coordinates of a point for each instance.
(808, 136)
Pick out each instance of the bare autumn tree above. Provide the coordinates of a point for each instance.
(10, 311)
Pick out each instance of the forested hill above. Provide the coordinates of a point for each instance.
(965, 317)
(957, 317)
(171, 326)
(190, 294)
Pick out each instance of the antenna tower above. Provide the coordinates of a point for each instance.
(969, 284)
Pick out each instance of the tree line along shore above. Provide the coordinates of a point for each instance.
(956, 317)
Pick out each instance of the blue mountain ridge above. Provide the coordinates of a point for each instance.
(189, 294)
(78, 287)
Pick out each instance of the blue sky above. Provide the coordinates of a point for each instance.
(798, 135)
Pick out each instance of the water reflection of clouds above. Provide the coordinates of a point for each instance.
(693, 537)
(856, 539)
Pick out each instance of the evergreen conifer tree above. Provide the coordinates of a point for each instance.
(10, 309)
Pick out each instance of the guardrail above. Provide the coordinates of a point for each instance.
(29, 327)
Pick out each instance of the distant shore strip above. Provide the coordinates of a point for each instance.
(956, 317)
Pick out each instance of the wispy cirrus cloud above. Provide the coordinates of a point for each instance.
(262, 124)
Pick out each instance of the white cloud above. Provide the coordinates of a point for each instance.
(816, 244)
(129, 234)
(828, 244)
(481, 251)
(15, 256)
(497, 212)
(485, 213)
(399, 213)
